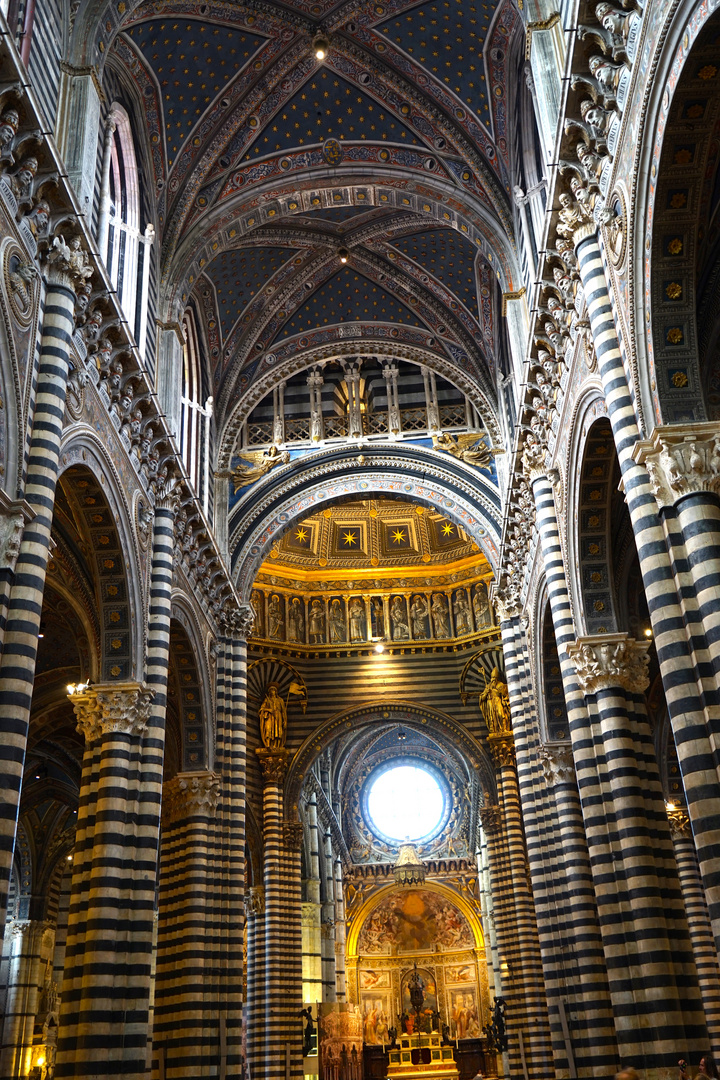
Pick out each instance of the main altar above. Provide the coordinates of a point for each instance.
(422, 1056)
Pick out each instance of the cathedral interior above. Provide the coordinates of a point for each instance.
(359, 539)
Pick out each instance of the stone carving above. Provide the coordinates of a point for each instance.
(125, 708)
(502, 750)
(68, 265)
(681, 460)
(679, 821)
(317, 621)
(191, 795)
(254, 900)
(11, 532)
(490, 819)
(557, 765)
(398, 618)
(293, 835)
(87, 713)
(508, 603)
(610, 661)
(533, 458)
(21, 278)
(9, 122)
(440, 616)
(273, 764)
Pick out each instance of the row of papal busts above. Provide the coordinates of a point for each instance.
(335, 620)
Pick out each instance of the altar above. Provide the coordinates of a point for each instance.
(422, 1056)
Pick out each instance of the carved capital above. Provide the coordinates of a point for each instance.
(13, 517)
(88, 714)
(607, 661)
(274, 764)
(125, 707)
(237, 621)
(67, 264)
(293, 835)
(507, 603)
(190, 795)
(168, 494)
(254, 900)
(491, 820)
(502, 749)
(558, 765)
(679, 821)
(681, 459)
(533, 459)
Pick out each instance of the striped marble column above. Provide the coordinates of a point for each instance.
(283, 929)
(679, 653)
(106, 981)
(523, 951)
(23, 992)
(185, 1028)
(340, 926)
(636, 877)
(228, 917)
(255, 1007)
(327, 928)
(312, 910)
(63, 271)
(706, 957)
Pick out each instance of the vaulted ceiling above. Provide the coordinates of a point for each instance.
(264, 162)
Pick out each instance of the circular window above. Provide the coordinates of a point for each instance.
(406, 801)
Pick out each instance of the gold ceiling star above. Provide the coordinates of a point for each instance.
(398, 536)
(447, 529)
(349, 538)
(301, 535)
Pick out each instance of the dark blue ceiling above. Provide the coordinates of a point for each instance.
(192, 61)
(347, 297)
(238, 275)
(447, 38)
(449, 257)
(327, 106)
(339, 214)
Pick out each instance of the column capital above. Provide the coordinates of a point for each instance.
(274, 764)
(293, 833)
(191, 795)
(507, 602)
(533, 458)
(88, 713)
(490, 819)
(502, 749)
(254, 900)
(681, 459)
(558, 765)
(679, 820)
(605, 661)
(237, 621)
(67, 265)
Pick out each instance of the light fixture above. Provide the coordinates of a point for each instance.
(343, 254)
(409, 868)
(321, 46)
(77, 688)
(648, 632)
(669, 805)
(379, 648)
(69, 858)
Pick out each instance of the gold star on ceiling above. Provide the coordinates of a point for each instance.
(447, 529)
(398, 536)
(301, 535)
(349, 538)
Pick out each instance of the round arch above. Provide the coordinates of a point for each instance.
(189, 657)
(358, 918)
(387, 712)
(83, 450)
(654, 224)
(262, 517)
(287, 361)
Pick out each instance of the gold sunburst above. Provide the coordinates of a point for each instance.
(349, 538)
(447, 529)
(301, 535)
(398, 536)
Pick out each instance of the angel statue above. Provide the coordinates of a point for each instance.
(259, 462)
(468, 448)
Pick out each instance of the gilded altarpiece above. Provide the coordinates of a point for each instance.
(436, 929)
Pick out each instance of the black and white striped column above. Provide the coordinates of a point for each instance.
(679, 654)
(24, 603)
(185, 1026)
(255, 1007)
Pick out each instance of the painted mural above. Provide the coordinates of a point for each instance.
(414, 921)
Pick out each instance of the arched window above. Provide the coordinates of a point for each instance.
(194, 416)
(126, 250)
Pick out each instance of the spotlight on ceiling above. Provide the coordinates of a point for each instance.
(321, 46)
(343, 254)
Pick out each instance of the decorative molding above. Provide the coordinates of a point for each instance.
(557, 765)
(611, 661)
(191, 795)
(274, 765)
(125, 708)
(681, 459)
